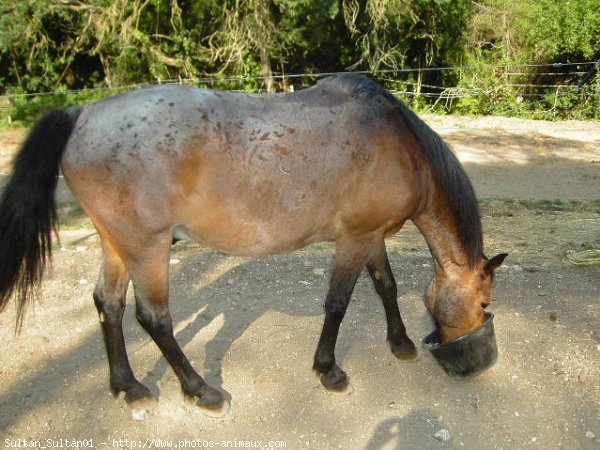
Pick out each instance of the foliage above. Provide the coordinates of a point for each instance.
(505, 36)
(60, 45)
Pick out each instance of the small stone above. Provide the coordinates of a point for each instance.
(589, 435)
(80, 248)
(443, 435)
(584, 375)
(230, 281)
(139, 414)
(535, 268)
(319, 271)
(553, 316)
(516, 268)
(83, 282)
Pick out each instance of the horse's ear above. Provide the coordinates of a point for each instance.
(494, 263)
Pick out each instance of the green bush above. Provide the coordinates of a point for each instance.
(23, 110)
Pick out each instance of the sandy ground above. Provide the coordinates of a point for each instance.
(251, 326)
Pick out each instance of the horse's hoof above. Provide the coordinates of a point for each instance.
(218, 410)
(345, 388)
(215, 409)
(405, 351)
(337, 382)
(137, 397)
(210, 401)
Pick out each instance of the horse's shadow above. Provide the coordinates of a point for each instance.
(210, 290)
(240, 290)
(415, 430)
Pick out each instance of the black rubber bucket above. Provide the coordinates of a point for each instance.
(468, 355)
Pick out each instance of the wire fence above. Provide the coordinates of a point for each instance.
(534, 84)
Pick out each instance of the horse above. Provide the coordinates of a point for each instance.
(343, 161)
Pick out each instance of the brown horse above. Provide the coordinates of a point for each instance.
(343, 161)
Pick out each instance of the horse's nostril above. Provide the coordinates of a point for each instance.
(485, 304)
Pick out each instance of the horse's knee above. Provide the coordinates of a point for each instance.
(336, 305)
(148, 321)
(109, 308)
(384, 285)
(387, 290)
(156, 321)
(383, 280)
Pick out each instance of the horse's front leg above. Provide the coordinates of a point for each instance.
(385, 285)
(350, 259)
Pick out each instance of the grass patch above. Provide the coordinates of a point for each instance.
(507, 205)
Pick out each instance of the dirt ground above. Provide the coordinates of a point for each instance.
(251, 326)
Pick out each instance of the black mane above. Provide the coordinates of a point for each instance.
(449, 175)
(359, 84)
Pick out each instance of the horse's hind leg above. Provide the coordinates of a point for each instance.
(150, 282)
(109, 297)
(385, 285)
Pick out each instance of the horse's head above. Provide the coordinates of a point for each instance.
(457, 296)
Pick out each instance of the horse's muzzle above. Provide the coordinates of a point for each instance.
(468, 355)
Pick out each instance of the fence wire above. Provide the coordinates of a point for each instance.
(502, 83)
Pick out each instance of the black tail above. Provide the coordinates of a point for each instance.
(28, 209)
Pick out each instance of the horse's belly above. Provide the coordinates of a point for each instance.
(250, 238)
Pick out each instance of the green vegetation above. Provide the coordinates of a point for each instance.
(508, 206)
(103, 45)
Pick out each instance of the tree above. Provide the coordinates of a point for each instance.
(46, 44)
(393, 34)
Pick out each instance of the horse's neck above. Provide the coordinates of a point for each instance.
(437, 226)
